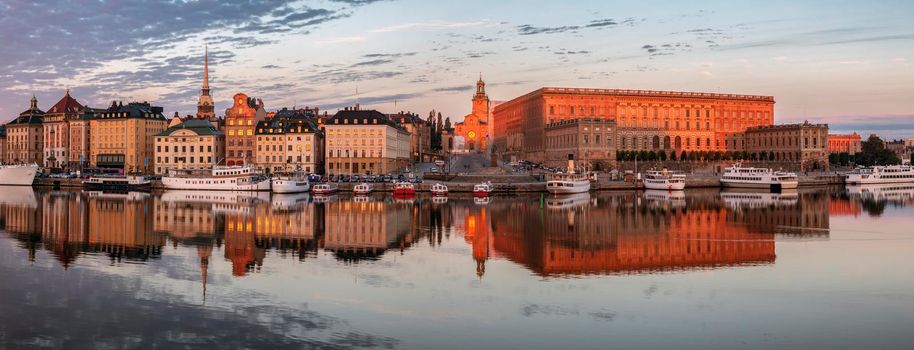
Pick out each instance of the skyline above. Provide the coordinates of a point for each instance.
(847, 65)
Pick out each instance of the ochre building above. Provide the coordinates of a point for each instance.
(123, 137)
(646, 120)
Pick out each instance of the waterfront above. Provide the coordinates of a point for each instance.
(821, 267)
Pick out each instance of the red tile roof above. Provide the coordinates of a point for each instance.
(66, 104)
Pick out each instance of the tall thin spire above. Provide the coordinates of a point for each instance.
(206, 69)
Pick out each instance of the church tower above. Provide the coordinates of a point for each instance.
(481, 101)
(205, 107)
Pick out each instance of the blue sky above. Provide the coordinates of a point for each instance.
(845, 63)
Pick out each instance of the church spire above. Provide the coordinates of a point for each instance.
(206, 70)
(480, 86)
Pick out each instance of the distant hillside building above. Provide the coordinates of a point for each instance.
(844, 143)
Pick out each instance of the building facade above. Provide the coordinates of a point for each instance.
(475, 126)
(806, 144)
(123, 137)
(289, 144)
(590, 141)
(844, 143)
(364, 142)
(420, 149)
(193, 144)
(57, 132)
(24, 136)
(646, 120)
(241, 121)
(80, 139)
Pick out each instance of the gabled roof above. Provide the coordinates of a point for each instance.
(66, 104)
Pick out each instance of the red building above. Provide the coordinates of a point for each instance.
(241, 121)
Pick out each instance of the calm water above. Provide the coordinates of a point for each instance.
(815, 269)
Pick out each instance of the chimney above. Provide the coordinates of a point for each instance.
(571, 163)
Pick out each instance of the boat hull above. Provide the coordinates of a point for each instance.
(208, 184)
(773, 186)
(439, 193)
(875, 181)
(664, 185)
(18, 175)
(290, 186)
(576, 187)
(404, 192)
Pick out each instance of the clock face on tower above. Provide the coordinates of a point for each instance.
(471, 134)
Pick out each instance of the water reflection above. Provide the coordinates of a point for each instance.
(270, 244)
(551, 236)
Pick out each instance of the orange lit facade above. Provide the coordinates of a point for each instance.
(646, 120)
(240, 123)
(475, 126)
(844, 143)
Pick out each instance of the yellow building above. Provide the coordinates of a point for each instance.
(287, 144)
(123, 137)
(193, 144)
(24, 142)
(364, 142)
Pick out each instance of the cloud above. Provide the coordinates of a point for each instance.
(601, 23)
(526, 29)
(665, 49)
(425, 26)
(454, 88)
(389, 55)
(376, 62)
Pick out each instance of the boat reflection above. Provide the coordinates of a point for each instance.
(584, 234)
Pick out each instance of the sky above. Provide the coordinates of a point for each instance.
(848, 64)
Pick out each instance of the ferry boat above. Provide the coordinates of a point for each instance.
(576, 200)
(664, 180)
(568, 182)
(18, 174)
(290, 182)
(483, 189)
(324, 188)
(404, 188)
(748, 177)
(221, 178)
(118, 183)
(439, 190)
(362, 188)
(881, 175)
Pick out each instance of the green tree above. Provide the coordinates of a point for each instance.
(673, 156)
(661, 155)
(651, 156)
(844, 158)
(619, 157)
(684, 156)
(875, 153)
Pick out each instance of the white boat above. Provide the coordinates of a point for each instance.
(677, 197)
(438, 190)
(439, 199)
(362, 188)
(664, 180)
(483, 189)
(568, 183)
(881, 175)
(756, 200)
(121, 183)
(324, 188)
(747, 177)
(290, 182)
(482, 200)
(18, 174)
(221, 178)
(883, 192)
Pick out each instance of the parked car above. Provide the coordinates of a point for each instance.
(355, 178)
(387, 178)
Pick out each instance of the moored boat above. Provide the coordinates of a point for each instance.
(881, 175)
(18, 174)
(118, 183)
(324, 188)
(362, 188)
(404, 188)
(568, 182)
(290, 182)
(438, 190)
(220, 178)
(664, 180)
(737, 176)
(483, 189)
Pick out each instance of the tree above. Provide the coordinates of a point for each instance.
(832, 158)
(619, 157)
(661, 155)
(684, 156)
(875, 153)
(844, 158)
(673, 156)
(651, 155)
(912, 157)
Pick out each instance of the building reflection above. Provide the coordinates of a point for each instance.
(634, 233)
(606, 233)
